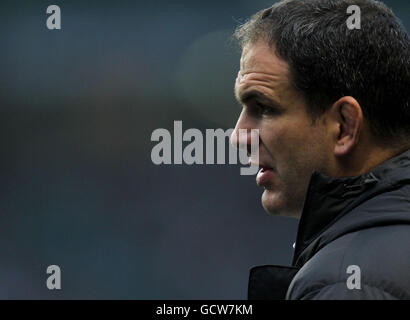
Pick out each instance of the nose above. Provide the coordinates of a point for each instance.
(241, 137)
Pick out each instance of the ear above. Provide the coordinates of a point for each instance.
(349, 118)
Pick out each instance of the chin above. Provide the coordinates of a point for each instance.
(274, 204)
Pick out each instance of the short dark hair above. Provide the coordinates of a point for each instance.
(328, 60)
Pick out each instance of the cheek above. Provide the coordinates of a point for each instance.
(292, 145)
(281, 138)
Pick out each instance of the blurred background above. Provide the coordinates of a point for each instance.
(78, 188)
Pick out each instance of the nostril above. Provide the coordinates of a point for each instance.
(248, 150)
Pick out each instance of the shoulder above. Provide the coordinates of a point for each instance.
(378, 257)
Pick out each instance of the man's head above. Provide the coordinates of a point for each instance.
(323, 97)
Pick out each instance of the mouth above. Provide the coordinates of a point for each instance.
(264, 176)
(263, 168)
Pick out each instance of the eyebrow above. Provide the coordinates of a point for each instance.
(247, 96)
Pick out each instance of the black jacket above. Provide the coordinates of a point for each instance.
(361, 221)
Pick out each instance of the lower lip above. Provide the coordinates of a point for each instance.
(263, 178)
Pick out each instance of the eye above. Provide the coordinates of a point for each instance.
(265, 109)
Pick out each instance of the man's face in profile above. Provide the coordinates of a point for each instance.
(291, 146)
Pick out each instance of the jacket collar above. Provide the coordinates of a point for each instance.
(270, 282)
(328, 199)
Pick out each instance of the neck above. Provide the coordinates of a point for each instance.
(363, 160)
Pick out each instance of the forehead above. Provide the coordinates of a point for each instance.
(260, 57)
(262, 70)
